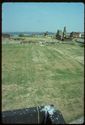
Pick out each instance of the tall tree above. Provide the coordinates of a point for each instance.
(46, 33)
(57, 34)
(64, 32)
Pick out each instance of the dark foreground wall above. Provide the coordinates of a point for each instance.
(34, 115)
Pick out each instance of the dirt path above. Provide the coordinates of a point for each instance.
(78, 121)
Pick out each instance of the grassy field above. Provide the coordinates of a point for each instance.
(34, 75)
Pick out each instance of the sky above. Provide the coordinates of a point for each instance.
(41, 17)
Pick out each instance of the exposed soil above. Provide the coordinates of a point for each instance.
(78, 121)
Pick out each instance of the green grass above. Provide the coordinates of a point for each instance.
(35, 75)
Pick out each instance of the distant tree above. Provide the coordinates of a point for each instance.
(57, 34)
(71, 34)
(21, 35)
(64, 32)
(46, 33)
(33, 35)
(5, 35)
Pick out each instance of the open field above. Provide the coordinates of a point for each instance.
(34, 75)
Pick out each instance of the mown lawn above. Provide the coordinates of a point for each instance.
(34, 75)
